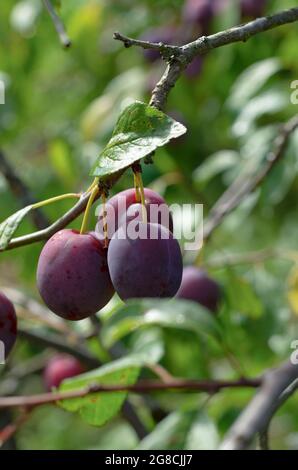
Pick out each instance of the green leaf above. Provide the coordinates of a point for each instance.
(10, 225)
(214, 165)
(269, 102)
(251, 81)
(203, 434)
(98, 408)
(168, 313)
(140, 130)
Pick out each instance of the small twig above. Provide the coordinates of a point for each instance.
(59, 26)
(204, 44)
(143, 386)
(10, 429)
(157, 46)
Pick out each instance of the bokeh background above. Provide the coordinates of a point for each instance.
(61, 106)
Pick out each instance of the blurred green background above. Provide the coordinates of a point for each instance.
(60, 109)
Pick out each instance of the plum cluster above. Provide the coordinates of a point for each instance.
(77, 274)
(144, 258)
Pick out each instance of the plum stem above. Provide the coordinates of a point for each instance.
(85, 222)
(139, 179)
(55, 199)
(92, 186)
(105, 222)
(137, 188)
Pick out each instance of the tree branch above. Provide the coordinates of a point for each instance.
(179, 57)
(143, 386)
(255, 418)
(264, 433)
(59, 26)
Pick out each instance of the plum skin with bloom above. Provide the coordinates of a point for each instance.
(147, 266)
(72, 275)
(8, 324)
(59, 368)
(197, 286)
(123, 206)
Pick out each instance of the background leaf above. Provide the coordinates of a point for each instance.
(251, 81)
(203, 434)
(172, 313)
(242, 297)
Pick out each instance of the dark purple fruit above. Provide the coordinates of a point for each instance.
(8, 325)
(147, 266)
(197, 286)
(200, 13)
(59, 368)
(72, 275)
(194, 69)
(252, 8)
